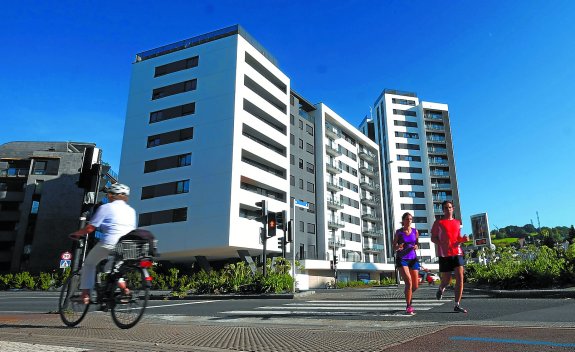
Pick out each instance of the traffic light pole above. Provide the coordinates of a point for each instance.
(294, 228)
(334, 258)
(265, 258)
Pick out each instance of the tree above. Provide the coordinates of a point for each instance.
(571, 235)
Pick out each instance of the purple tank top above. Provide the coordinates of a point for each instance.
(408, 242)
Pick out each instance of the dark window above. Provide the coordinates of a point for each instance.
(419, 219)
(170, 137)
(301, 164)
(414, 170)
(256, 65)
(176, 66)
(165, 189)
(171, 113)
(407, 146)
(300, 124)
(163, 217)
(310, 187)
(407, 135)
(309, 148)
(292, 180)
(310, 167)
(310, 228)
(413, 207)
(46, 167)
(403, 101)
(175, 88)
(409, 157)
(301, 144)
(169, 162)
(404, 112)
(405, 123)
(411, 194)
(309, 129)
(403, 181)
(300, 183)
(264, 94)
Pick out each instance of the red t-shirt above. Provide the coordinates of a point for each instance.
(449, 237)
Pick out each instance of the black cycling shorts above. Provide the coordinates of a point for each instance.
(448, 264)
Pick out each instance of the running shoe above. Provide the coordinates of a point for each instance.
(458, 309)
(439, 294)
(409, 310)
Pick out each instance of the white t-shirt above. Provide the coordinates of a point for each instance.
(114, 219)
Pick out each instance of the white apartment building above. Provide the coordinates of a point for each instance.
(206, 137)
(418, 162)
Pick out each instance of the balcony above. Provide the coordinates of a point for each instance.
(370, 201)
(436, 139)
(335, 224)
(367, 156)
(430, 116)
(14, 172)
(371, 217)
(442, 199)
(370, 186)
(438, 162)
(333, 169)
(331, 131)
(434, 127)
(373, 232)
(374, 247)
(441, 186)
(330, 150)
(334, 204)
(368, 170)
(334, 187)
(435, 150)
(439, 174)
(338, 243)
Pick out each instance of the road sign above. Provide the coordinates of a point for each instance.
(66, 256)
(301, 204)
(65, 263)
(481, 242)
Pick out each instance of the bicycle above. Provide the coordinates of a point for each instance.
(129, 261)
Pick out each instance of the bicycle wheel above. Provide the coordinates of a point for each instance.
(70, 306)
(128, 308)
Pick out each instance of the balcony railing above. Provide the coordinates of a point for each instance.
(436, 139)
(333, 169)
(374, 247)
(370, 201)
(368, 170)
(442, 199)
(370, 186)
(331, 131)
(374, 232)
(437, 150)
(366, 156)
(335, 224)
(441, 185)
(337, 243)
(331, 150)
(371, 217)
(13, 172)
(433, 116)
(334, 204)
(334, 187)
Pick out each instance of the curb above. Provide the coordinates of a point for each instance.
(166, 295)
(565, 293)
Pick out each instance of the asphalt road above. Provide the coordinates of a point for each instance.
(330, 320)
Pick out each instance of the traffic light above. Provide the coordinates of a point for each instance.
(263, 210)
(90, 168)
(282, 220)
(289, 235)
(272, 224)
(335, 260)
(281, 242)
(331, 264)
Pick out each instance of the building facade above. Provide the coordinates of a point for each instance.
(40, 202)
(418, 162)
(212, 127)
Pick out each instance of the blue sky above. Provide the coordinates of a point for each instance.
(505, 68)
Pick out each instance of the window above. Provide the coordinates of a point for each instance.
(403, 101)
(46, 167)
(413, 207)
(419, 219)
(256, 65)
(409, 157)
(173, 89)
(176, 66)
(292, 180)
(169, 162)
(405, 123)
(165, 189)
(35, 206)
(301, 164)
(291, 159)
(163, 217)
(404, 181)
(310, 228)
(311, 208)
(291, 119)
(292, 139)
(301, 226)
(309, 129)
(310, 187)
(310, 167)
(301, 144)
(174, 112)
(309, 148)
(412, 194)
(407, 135)
(300, 183)
(407, 146)
(414, 170)
(39, 167)
(300, 122)
(170, 137)
(404, 112)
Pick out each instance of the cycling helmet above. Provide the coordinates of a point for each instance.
(118, 188)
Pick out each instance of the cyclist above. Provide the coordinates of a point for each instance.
(115, 219)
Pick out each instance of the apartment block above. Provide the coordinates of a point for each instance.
(40, 202)
(417, 161)
(212, 127)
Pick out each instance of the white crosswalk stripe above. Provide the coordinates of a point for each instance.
(336, 307)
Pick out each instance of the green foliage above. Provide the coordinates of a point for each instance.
(45, 281)
(530, 267)
(5, 281)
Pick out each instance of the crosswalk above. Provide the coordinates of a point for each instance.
(340, 307)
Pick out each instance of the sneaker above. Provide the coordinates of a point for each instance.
(409, 310)
(439, 294)
(458, 309)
